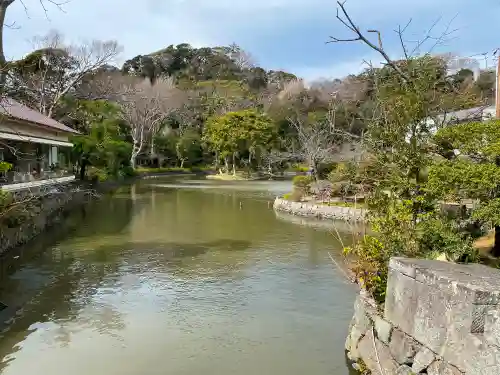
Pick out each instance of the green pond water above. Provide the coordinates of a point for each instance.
(178, 276)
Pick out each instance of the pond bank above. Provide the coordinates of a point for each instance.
(439, 318)
(307, 209)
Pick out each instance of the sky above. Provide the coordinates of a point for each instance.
(288, 35)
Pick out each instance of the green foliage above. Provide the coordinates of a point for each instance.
(6, 199)
(104, 146)
(302, 182)
(473, 174)
(189, 148)
(299, 168)
(98, 175)
(5, 167)
(238, 134)
(295, 196)
(403, 176)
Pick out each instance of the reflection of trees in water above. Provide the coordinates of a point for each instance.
(70, 297)
(109, 215)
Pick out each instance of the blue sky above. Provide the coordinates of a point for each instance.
(279, 34)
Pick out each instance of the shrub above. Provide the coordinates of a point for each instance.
(97, 175)
(128, 171)
(302, 168)
(295, 196)
(4, 166)
(302, 182)
(6, 198)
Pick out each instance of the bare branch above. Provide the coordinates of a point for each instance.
(346, 20)
(144, 107)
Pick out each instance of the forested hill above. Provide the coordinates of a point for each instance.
(190, 64)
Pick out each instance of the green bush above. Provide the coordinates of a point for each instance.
(302, 182)
(128, 171)
(4, 166)
(302, 168)
(97, 175)
(6, 198)
(295, 196)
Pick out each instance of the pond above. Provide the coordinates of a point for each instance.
(179, 276)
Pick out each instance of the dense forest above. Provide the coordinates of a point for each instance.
(186, 107)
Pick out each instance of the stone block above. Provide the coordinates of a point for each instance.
(492, 326)
(485, 360)
(422, 360)
(383, 329)
(353, 339)
(401, 301)
(403, 347)
(376, 357)
(402, 265)
(362, 314)
(442, 368)
(404, 370)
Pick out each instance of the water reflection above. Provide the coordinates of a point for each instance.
(163, 275)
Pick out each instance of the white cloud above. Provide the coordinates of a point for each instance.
(155, 24)
(339, 69)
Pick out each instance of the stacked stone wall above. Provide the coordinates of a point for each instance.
(439, 318)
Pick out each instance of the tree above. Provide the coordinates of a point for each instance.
(104, 145)
(144, 106)
(403, 211)
(316, 143)
(44, 77)
(471, 170)
(236, 134)
(188, 147)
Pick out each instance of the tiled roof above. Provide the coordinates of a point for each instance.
(14, 109)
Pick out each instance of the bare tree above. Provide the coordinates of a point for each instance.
(144, 108)
(55, 69)
(4, 5)
(240, 57)
(316, 143)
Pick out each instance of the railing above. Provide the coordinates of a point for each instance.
(13, 177)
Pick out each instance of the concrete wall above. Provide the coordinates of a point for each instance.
(306, 209)
(439, 319)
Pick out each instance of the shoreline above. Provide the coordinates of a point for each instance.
(305, 209)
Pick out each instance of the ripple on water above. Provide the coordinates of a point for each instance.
(183, 281)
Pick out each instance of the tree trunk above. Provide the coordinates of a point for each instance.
(182, 163)
(3, 11)
(496, 247)
(132, 161)
(83, 167)
(234, 165)
(4, 4)
(226, 164)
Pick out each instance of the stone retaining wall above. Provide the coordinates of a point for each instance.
(319, 211)
(440, 318)
(46, 208)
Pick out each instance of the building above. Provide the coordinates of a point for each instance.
(475, 114)
(35, 146)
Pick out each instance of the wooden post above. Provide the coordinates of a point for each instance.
(497, 93)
